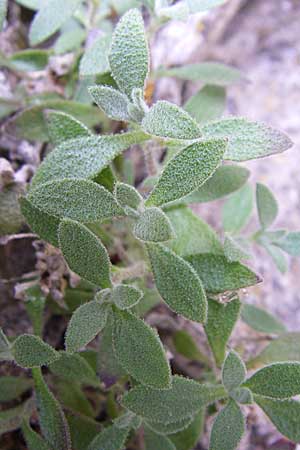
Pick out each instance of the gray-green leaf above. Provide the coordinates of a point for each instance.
(5, 347)
(267, 206)
(233, 250)
(178, 283)
(62, 126)
(167, 120)
(13, 387)
(129, 55)
(261, 320)
(112, 102)
(86, 322)
(79, 199)
(187, 171)
(154, 441)
(111, 438)
(30, 351)
(84, 253)
(127, 195)
(140, 351)
(207, 104)
(233, 371)
(247, 140)
(237, 210)
(153, 225)
(125, 296)
(74, 368)
(290, 243)
(228, 428)
(95, 58)
(187, 439)
(33, 440)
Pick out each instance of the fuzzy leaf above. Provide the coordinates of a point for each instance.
(233, 371)
(62, 127)
(140, 351)
(228, 428)
(203, 5)
(154, 441)
(41, 223)
(242, 395)
(219, 275)
(13, 387)
(261, 320)
(237, 210)
(284, 414)
(186, 346)
(278, 380)
(84, 253)
(86, 322)
(290, 243)
(74, 368)
(278, 257)
(33, 440)
(187, 171)
(220, 323)
(69, 39)
(84, 157)
(169, 428)
(112, 102)
(129, 55)
(185, 398)
(35, 305)
(30, 351)
(79, 199)
(207, 104)
(52, 421)
(224, 181)
(50, 18)
(208, 72)
(178, 283)
(111, 438)
(233, 250)
(193, 235)
(128, 420)
(284, 348)
(153, 226)
(30, 124)
(95, 58)
(125, 296)
(247, 140)
(188, 438)
(267, 206)
(127, 195)
(167, 120)
(29, 60)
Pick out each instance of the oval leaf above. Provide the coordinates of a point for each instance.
(237, 210)
(233, 371)
(30, 351)
(178, 283)
(228, 428)
(267, 206)
(112, 102)
(154, 441)
(63, 127)
(261, 320)
(207, 104)
(125, 296)
(74, 368)
(111, 438)
(153, 226)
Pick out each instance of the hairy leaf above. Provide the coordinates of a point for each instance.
(284, 414)
(290, 243)
(95, 58)
(33, 440)
(84, 157)
(284, 348)
(30, 351)
(233, 250)
(140, 351)
(154, 441)
(35, 301)
(186, 346)
(224, 181)
(111, 438)
(278, 380)
(178, 283)
(188, 438)
(187, 171)
(129, 55)
(63, 126)
(193, 235)
(247, 140)
(261, 320)
(233, 371)
(112, 102)
(41, 223)
(126, 296)
(84, 253)
(184, 399)
(207, 104)
(207, 72)
(237, 210)
(52, 421)
(267, 206)
(219, 275)
(74, 368)
(242, 395)
(79, 199)
(50, 18)
(169, 428)
(70, 39)
(128, 420)
(13, 387)
(220, 323)
(167, 120)
(153, 226)
(228, 428)
(127, 195)
(86, 322)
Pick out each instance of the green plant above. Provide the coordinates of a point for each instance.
(76, 195)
